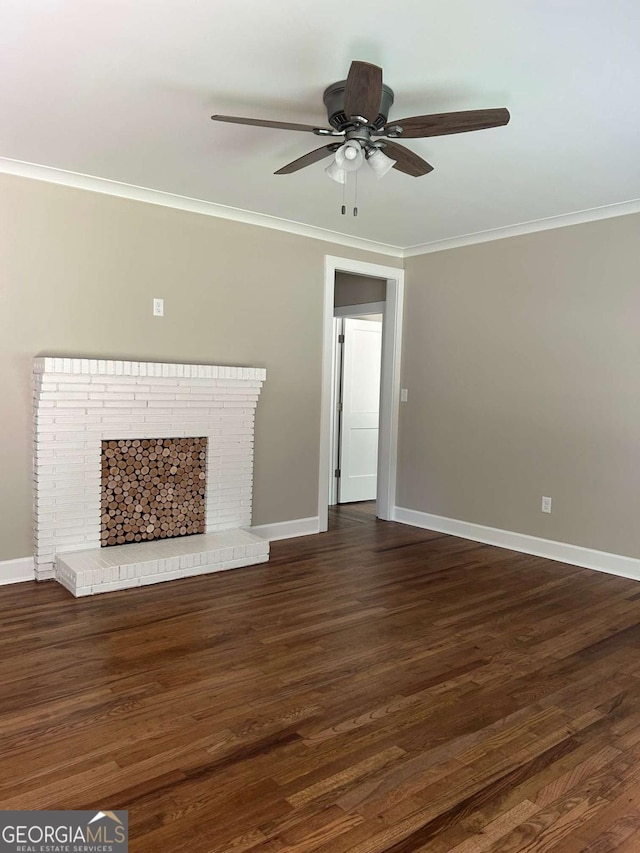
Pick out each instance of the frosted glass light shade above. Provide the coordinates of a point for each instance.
(380, 163)
(350, 156)
(336, 173)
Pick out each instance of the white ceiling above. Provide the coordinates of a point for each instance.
(123, 90)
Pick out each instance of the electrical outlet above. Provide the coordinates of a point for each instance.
(403, 395)
(158, 307)
(546, 504)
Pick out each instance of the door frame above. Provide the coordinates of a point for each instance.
(334, 422)
(389, 385)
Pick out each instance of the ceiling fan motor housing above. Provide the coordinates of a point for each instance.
(334, 102)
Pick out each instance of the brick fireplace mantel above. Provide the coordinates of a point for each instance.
(79, 403)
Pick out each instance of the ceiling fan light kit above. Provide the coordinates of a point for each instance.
(358, 110)
(377, 161)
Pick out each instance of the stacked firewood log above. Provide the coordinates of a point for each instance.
(152, 489)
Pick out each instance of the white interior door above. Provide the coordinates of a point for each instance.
(361, 360)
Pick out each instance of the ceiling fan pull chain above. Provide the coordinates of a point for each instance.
(344, 197)
(355, 196)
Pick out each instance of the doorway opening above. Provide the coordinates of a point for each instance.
(360, 388)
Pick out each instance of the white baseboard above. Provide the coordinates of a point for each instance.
(287, 529)
(17, 571)
(575, 555)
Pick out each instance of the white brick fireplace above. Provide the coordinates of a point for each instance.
(81, 402)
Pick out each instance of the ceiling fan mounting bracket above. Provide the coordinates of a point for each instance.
(333, 98)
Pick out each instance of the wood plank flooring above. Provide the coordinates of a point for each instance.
(376, 688)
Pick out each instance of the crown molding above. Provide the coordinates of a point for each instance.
(76, 180)
(580, 217)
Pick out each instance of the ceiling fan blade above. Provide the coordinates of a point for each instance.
(306, 160)
(406, 161)
(258, 122)
(442, 124)
(363, 91)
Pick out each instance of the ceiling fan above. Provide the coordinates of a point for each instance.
(358, 110)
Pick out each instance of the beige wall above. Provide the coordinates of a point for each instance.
(353, 289)
(78, 272)
(521, 356)
(522, 361)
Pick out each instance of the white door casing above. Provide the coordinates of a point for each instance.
(390, 383)
(362, 351)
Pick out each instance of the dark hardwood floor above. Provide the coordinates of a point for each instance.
(375, 688)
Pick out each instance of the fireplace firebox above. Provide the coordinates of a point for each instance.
(152, 489)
